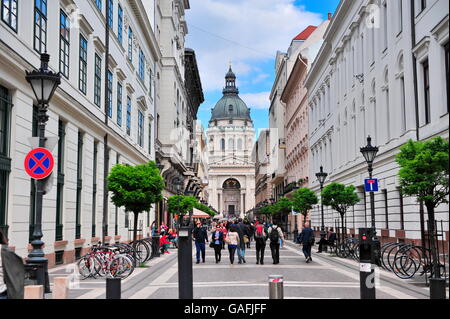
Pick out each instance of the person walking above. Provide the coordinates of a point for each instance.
(260, 243)
(233, 242)
(12, 272)
(307, 239)
(217, 243)
(275, 234)
(251, 232)
(200, 237)
(224, 232)
(242, 231)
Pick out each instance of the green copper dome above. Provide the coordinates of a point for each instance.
(230, 106)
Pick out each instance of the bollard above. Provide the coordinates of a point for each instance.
(61, 288)
(155, 244)
(113, 288)
(34, 292)
(276, 289)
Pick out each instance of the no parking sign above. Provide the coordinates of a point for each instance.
(39, 163)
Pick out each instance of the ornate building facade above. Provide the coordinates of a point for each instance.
(231, 169)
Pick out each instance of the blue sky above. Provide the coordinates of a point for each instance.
(249, 33)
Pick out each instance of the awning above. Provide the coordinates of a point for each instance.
(197, 213)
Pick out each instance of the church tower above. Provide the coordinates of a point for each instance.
(230, 142)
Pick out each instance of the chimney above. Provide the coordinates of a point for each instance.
(330, 15)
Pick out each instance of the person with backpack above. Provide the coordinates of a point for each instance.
(200, 237)
(307, 239)
(275, 234)
(260, 242)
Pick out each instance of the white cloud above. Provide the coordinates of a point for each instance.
(256, 100)
(255, 30)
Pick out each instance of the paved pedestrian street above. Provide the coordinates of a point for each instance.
(324, 278)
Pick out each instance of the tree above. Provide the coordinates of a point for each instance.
(135, 188)
(424, 173)
(283, 205)
(303, 201)
(181, 205)
(340, 198)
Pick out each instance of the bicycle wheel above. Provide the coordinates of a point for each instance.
(120, 267)
(85, 266)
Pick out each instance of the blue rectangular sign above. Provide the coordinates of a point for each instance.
(371, 185)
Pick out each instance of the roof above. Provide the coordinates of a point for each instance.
(302, 36)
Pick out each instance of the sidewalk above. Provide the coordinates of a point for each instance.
(415, 286)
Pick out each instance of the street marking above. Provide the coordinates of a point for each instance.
(385, 289)
(159, 282)
(278, 266)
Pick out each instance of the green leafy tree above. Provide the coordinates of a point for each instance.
(135, 188)
(303, 200)
(340, 198)
(181, 205)
(424, 173)
(283, 205)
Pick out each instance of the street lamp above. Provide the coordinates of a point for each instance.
(321, 176)
(369, 247)
(369, 152)
(43, 83)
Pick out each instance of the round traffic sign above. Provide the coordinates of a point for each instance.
(39, 163)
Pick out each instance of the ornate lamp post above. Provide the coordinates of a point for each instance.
(321, 176)
(44, 83)
(369, 152)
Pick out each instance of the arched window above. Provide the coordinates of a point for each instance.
(230, 143)
(239, 144)
(222, 144)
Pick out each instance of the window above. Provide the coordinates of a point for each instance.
(98, 80)
(40, 26)
(403, 103)
(119, 104)
(120, 24)
(83, 65)
(94, 187)
(426, 90)
(130, 45)
(222, 144)
(402, 213)
(64, 44)
(141, 65)
(385, 26)
(150, 87)
(149, 137)
(60, 181)
(98, 3)
(110, 13)
(79, 186)
(447, 73)
(128, 115)
(9, 13)
(110, 92)
(5, 161)
(140, 129)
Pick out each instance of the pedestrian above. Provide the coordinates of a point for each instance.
(307, 239)
(232, 241)
(154, 228)
(260, 243)
(251, 232)
(242, 231)
(164, 244)
(329, 241)
(200, 237)
(224, 232)
(12, 272)
(217, 243)
(275, 234)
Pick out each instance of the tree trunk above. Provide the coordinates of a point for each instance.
(136, 215)
(342, 226)
(431, 233)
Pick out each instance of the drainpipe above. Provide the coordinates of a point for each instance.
(416, 105)
(105, 140)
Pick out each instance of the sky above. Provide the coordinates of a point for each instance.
(247, 33)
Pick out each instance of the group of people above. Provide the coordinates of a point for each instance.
(238, 235)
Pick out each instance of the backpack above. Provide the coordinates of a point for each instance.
(274, 236)
(259, 233)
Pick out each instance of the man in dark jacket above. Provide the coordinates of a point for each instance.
(307, 239)
(328, 242)
(242, 231)
(200, 236)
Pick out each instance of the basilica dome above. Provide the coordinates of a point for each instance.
(230, 106)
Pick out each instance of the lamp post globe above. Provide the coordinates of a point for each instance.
(321, 177)
(44, 83)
